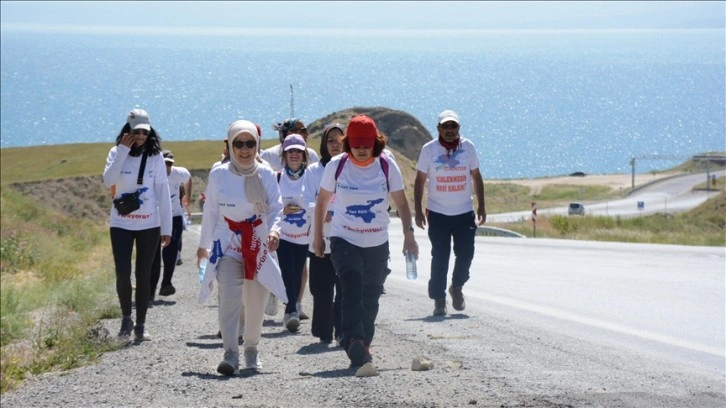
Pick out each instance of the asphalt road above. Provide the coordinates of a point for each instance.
(671, 195)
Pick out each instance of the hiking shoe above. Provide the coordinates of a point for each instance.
(127, 326)
(167, 290)
(271, 307)
(457, 298)
(440, 307)
(251, 359)
(140, 333)
(301, 315)
(230, 363)
(179, 262)
(356, 353)
(291, 321)
(367, 354)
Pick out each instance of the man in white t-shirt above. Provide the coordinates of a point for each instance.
(451, 165)
(178, 176)
(273, 155)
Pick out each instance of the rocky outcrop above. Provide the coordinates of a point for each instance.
(405, 133)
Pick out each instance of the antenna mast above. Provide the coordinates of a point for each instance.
(292, 103)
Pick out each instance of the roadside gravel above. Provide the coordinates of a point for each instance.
(481, 358)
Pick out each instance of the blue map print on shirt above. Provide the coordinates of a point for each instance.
(141, 191)
(449, 161)
(216, 251)
(363, 211)
(297, 218)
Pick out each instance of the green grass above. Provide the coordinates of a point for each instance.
(56, 286)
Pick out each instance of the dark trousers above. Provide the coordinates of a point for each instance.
(362, 273)
(325, 288)
(441, 229)
(122, 244)
(292, 259)
(169, 254)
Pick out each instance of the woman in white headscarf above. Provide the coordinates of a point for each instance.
(240, 228)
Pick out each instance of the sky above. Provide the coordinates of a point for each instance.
(361, 15)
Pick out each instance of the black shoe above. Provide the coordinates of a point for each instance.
(457, 298)
(167, 290)
(440, 307)
(127, 325)
(356, 353)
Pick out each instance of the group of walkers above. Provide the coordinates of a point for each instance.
(265, 213)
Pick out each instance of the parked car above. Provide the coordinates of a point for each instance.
(576, 209)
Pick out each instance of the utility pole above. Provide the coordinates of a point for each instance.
(292, 103)
(632, 178)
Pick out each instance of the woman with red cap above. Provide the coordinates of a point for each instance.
(362, 181)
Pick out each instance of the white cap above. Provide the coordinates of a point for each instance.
(139, 119)
(448, 115)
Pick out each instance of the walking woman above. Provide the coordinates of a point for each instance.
(295, 225)
(141, 213)
(324, 284)
(362, 181)
(240, 228)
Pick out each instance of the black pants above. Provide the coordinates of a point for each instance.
(168, 254)
(327, 295)
(122, 244)
(292, 259)
(362, 273)
(442, 228)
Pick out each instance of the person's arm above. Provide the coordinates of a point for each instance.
(418, 188)
(321, 210)
(481, 212)
(409, 240)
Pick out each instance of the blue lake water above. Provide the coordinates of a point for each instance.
(535, 103)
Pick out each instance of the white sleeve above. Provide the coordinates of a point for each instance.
(163, 195)
(210, 211)
(115, 160)
(274, 204)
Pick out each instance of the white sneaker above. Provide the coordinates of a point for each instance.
(291, 321)
(251, 359)
(271, 308)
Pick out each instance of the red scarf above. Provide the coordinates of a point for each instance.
(250, 243)
(450, 147)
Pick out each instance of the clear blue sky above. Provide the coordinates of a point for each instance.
(368, 15)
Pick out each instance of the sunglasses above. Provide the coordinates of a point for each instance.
(450, 125)
(140, 132)
(299, 131)
(250, 144)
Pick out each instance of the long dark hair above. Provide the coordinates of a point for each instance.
(152, 145)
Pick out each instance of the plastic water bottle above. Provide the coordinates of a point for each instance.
(411, 273)
(202, 269)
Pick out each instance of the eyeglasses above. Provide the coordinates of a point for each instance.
(250, 144)
(298, 151)
(140, 132)
(450, 125)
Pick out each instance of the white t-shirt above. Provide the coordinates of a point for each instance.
(361, 200)
(177, 177)
(313, 176)
(449, 178)
(226, 202)
(273, 157)
(122, 171)
(294, 227)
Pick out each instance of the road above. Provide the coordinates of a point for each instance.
(669, 195)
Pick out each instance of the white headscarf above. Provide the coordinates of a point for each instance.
(254, 189)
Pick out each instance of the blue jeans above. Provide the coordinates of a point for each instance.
(441, 229)
(362, 273)
(292, 258)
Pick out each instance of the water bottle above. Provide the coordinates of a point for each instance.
(411, 273)
(202, 269)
